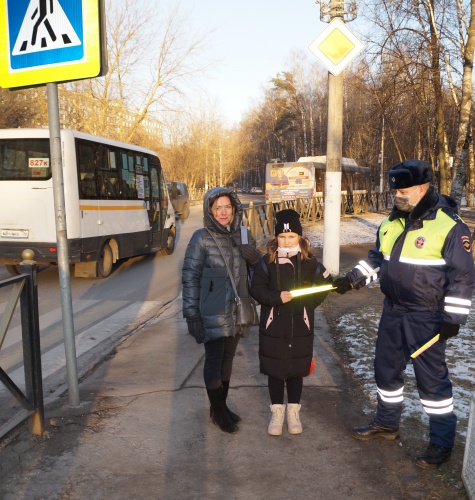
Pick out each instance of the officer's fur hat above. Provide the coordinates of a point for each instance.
(288, 222)
(409, 173)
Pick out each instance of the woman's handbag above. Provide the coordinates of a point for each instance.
(246, 312)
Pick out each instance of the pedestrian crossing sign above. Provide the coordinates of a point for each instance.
(43, 41)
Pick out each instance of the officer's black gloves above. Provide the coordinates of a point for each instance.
(195, 328)
(342, 285)
(448, 330)
(249, 254)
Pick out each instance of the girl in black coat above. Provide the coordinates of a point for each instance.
(286, 323)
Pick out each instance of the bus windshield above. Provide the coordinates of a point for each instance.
(24, 159)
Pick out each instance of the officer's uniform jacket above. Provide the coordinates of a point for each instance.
(425, 259)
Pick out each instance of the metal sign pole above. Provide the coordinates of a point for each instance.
(62, 242)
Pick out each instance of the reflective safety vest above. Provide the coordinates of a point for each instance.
(426, 264)
(422, 246)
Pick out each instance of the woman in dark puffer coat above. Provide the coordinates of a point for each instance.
(286, 323)
(209, 304)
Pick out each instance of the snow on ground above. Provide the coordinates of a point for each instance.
(361, 331)
(353, 230)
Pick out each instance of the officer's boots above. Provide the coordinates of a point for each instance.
(374, 430)
(433, 456)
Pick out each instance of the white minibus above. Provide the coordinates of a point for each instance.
(116, 201)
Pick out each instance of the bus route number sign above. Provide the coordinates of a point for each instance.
(38, 162)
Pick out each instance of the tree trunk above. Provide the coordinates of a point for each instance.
(470, 186)
(463, 135)
(441, 137)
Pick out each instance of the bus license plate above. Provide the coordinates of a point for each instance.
(14, 233)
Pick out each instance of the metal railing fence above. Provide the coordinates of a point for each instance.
(25, 288)
(259, 217)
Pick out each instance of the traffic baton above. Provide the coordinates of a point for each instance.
(425, 346)
(313, 289)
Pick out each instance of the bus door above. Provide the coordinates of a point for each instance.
(154, 209)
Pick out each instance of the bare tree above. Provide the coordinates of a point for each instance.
(23, 108)
(151, 61)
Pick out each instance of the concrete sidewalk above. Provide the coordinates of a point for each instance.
(143, 431)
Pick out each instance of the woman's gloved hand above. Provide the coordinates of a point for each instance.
(195, 328)
(249, 254)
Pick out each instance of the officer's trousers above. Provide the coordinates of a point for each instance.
(400, 333)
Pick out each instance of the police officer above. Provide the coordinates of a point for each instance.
(423, 250)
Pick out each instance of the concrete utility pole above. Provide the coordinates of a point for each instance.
(332, 195)
(345, 11)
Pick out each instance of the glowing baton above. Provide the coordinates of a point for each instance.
(312, 289)
(425, 346)
(365, 277)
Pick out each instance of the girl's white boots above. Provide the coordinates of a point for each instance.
(277, 420)
(293, 420)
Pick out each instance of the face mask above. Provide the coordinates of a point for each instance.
(289, 251)
(403, 203)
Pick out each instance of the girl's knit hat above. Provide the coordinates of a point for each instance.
(288, 222)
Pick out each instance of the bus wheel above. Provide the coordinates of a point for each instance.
(186, 212)
(106, 260)
(170, 243)
(13, 270)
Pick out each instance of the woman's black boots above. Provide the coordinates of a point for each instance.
(234, 417)
(219, 411)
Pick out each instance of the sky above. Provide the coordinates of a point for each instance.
(253, 40)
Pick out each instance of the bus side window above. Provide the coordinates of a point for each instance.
(88, 186)
(87, 169)
(123, 192)
(112, 160)
(110, 183)
(132, 187)
(154, 181)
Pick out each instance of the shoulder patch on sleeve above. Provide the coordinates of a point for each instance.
(466, 243)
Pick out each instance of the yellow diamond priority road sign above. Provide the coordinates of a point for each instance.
(336, 46)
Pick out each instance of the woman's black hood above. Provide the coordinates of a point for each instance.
(210, 222)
